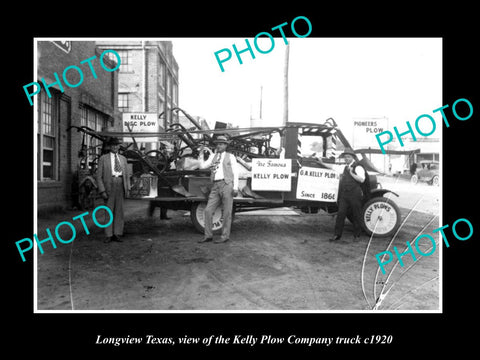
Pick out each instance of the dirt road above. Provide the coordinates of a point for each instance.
(272, 262)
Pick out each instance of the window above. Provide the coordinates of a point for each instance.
(126, 61)
(160, 106)
(83, 116)
(47, 137)
(96, 121)
(175, 93)
(123, 102)
(169, 86)
(91, 120)
(161, 72)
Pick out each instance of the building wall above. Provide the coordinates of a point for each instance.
(144, 82)
(132, 81)
(147, 88)
(153, 84)
(97, 94)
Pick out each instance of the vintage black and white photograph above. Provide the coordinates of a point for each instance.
(261, 174)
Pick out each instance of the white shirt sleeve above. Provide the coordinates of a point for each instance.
(233, 161)
(360, 172)
(207, 163)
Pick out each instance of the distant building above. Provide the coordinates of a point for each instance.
(363, 137)
(400, 163)
(148, 77)
(92, 103)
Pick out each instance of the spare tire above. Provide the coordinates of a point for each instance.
(198, 219)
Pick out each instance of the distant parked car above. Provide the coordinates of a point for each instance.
(427, 171)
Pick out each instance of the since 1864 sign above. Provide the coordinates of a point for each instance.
(317, 184)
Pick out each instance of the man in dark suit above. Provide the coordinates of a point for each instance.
(113, 181)
(350, 195)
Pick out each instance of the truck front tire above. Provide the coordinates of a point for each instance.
(381, 217)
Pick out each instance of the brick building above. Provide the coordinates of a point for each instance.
(93, 102)
(148, 78)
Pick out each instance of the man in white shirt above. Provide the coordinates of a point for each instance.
(350, 196)
(224, 177)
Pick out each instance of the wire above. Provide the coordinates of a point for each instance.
(412, 291)
(391, 242)
(403, 273)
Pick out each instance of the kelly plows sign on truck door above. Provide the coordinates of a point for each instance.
(271, 174)
(317, 184)
(140, 122)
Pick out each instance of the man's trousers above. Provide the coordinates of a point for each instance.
(221, 193)
(115, 204)
(349, 200)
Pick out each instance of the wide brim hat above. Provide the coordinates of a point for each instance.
(348, 151)
(221, 140)
(113, 141)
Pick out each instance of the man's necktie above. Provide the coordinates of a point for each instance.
(117, 167)
(216, 162)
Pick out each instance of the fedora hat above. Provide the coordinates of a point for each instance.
(221, 139)
(113, 141)
(348, 151)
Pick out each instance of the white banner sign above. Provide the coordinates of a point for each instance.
(272, 174)
(365, 129)
(317, 184)
(140, 122)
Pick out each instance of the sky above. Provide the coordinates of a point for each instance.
(343, 78)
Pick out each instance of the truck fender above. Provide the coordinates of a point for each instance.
(381, 192)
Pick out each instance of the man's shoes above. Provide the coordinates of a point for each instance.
(116, 238)
(219, 241)
(335, 238)
(107, 240)
(204, 240)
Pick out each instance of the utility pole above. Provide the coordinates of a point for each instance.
(144, 80)
(285, 85)
(285, 92)
(261, 95)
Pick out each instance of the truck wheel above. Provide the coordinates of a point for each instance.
(198, 220)
(414, 179)
(380, 216)
(157, 159)
(435, 181)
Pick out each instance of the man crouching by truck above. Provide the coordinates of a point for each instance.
(224, 178)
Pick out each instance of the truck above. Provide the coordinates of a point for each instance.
(276, 172)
